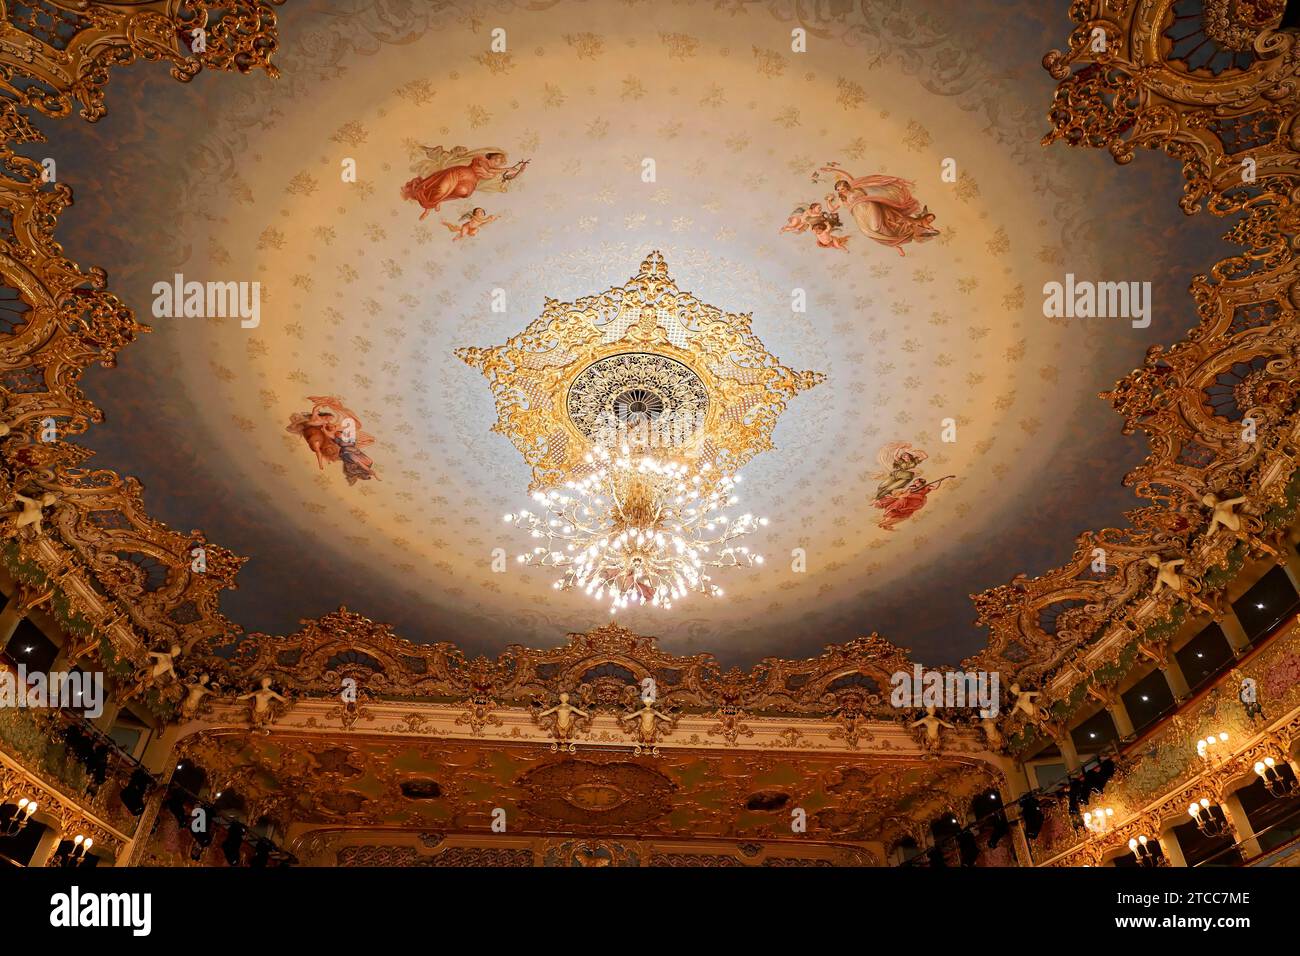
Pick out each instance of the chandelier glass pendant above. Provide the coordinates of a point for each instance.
(635, 409)
(638, 530)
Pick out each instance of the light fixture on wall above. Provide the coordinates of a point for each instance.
(1211, 749)
(75, 854)
(19, 817)
(1277, 785)
(1099, 821)
(1142, 850)
(1208, 816)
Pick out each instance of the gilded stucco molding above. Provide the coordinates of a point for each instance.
(65, 812)
(114, 567)
(1218, 407)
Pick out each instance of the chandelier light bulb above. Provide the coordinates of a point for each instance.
(639, 530)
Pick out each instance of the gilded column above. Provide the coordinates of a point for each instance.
(1240, 824)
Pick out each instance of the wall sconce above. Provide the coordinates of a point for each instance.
(20, 818)
(80, 847)
(1099, 821)
(1143, 852)
(1277, 785)
(1211, 747)
(1209, 817)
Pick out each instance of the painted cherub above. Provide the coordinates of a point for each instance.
(31, 514)
(264, 701)
(646, 725)
(931, 723)
(470, 223)
(827, 239)
(822, 224)
(564, 723)
(796, 221)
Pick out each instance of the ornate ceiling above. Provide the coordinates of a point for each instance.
(366, 301)
(922, 313)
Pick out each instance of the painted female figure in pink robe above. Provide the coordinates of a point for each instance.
(901, 505)
(883, 208)
(456, 173)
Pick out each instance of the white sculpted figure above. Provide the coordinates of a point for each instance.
(1167, 575)
(163, 666)
(991, 733)
(1026, 701)
(931, 723)
(163, 662)
(565, 723)
(263, 698)
(1224, 512)
(31, 515)
(647, 724)
(194, 694)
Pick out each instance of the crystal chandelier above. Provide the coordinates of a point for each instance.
(634, 410)
(639, 530)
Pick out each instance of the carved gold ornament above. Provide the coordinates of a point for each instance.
(635, 408)
(633, 355)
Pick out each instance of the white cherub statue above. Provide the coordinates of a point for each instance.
(32, 511)
(931, 723)
(264, 699)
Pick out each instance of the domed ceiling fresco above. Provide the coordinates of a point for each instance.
(601, 133)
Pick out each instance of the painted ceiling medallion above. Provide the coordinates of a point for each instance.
(635, 409)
